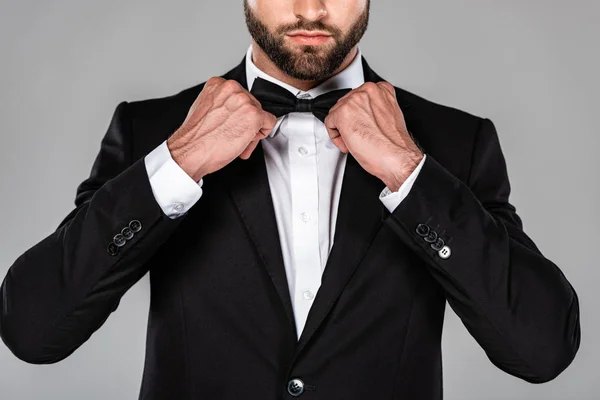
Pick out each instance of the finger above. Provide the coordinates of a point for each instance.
(340, 144)
(253, 144)
(213, 81)
(212, 84)
(254, 100)
(258, 136)
(208, 87)
(249, 149)
(229, 89)
(389, 91)
(334, 133)
(192, 109)
(387, 87)
(268, 123)
(341, 101)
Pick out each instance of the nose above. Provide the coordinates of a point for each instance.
(311, 10)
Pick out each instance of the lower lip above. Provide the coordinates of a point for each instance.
(311, 40)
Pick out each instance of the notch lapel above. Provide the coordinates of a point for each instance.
(248, 184)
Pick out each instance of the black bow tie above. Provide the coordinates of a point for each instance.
(279, 101)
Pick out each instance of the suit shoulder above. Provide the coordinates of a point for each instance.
(423, 108)
(447, 133)
(159, 105)
(153, 120)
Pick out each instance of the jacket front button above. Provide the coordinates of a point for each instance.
(112, 249)
(295, 387)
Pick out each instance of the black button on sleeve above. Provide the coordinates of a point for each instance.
(127, 233)
(119, 240)
(431, 236)
(438, 244)
(135, 226)
(422, 229)
(112, 249)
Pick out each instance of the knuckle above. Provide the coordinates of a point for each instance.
(387, 85)
(213, 80)
(230, 85)
(236, 100)
(240, 97)
(250, 110)
(370, 86)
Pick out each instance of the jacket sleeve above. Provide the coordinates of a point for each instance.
(515, 302)
(61, 290)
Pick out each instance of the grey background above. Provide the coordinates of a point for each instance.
(531, 66)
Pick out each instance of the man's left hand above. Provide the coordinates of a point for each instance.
(369, 123)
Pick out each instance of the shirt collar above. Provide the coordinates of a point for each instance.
(350, 77)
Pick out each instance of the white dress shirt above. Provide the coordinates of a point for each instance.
(305, 171)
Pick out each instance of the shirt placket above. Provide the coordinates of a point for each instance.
(305, 214)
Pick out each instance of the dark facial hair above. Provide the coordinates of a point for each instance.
(308, 64)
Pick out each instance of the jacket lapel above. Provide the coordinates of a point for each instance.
(360, 216)
(248, 183)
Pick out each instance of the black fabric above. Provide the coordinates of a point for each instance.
(280, 101)
(220, 324)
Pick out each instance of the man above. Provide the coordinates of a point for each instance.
(304, 223)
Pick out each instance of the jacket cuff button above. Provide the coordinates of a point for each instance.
(438, 244)
(422, 230)
(431, 236)
(119, 240)
(135, 226)
(112, 249)
(444, 252)
(127, 233)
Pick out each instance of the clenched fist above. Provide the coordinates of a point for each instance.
(224, 122)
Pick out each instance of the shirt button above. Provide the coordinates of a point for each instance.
(305, 217)
(308, 295)
(302, 150)
(178, 207)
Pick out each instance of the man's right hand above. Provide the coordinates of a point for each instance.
(224, 122)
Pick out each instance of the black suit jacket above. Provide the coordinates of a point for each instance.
(220, 322)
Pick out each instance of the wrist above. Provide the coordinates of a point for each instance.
(398, 174)
(180, 154)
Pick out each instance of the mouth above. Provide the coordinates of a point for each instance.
(309, 37)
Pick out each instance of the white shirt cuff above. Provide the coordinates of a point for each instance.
(174, 190)
(392, 199)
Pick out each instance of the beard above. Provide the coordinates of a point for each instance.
(311, 63)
